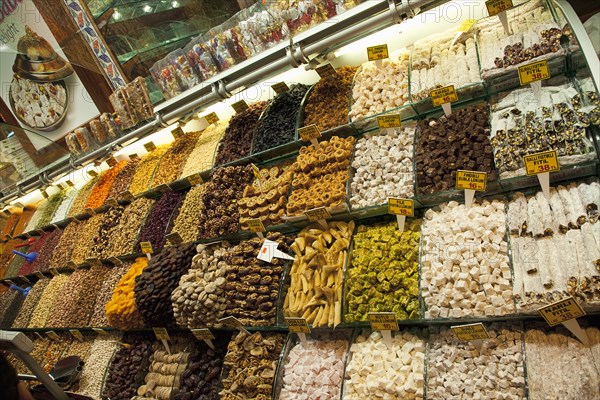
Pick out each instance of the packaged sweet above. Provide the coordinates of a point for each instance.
(299, 15)
(120, 103)
(200, 59)
(183, 70)
(165, 77)
(239, 49)
(72, 144)
(98, 132)
(111, 127)
(217, 44)
(139, 99)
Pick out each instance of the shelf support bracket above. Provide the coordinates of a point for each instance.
(402, 11)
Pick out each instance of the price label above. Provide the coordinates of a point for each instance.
(150, 146)
(377, 52)
(297, 325)
(115, 261)
(537, 71)
(325, 70)
(212, 118)
(146, 247)
(280, 87)
(383, 321)
(93, 261)
(195, 179)
(90, 211)
(255, 171)
(177, 132)
(71, 265)
(161, 333)
(44, 193)
(404, 207)
(309, 132)
(100, 331)
(471, 180)
(317, 213)
(233, 322)
(202, 334)
(561, 311)
(497, 6)
(111, 161)
(40, 275)
(133, 157)
(74, 219)
(53, 271)
(164, 188)
(174, 238)
(92, 173)
(112, 202)
(389, 121)
(127, 196)
(9, 282)
(76, 334)
(255, 225)
(69, 183)
(470, 332)
(447, 94)
(539, 163)
(466, 25)
(52, 335)
(240, 106)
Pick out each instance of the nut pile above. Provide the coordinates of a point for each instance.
(200, 380)
(123, 238)
(65, 205)
(98, 318)
(155, 228)
(573, 373)
(170, 163)
(250, 365)
(186, 223)
(121, 312)
(465, 267)
(31, 301)
(127, 366)
(50, 209)
(317, 274)
(44, 306)
(382, 89)
(221, 216)
(252, 285)
(268, 205)
(383, 167)
(110, 222)
(100, 192)
(62, 307)
(447, 144)
(83, 307)
(320, 175)
(84, 247)
(46, 252)
(78, 204)
(239, 134)
(123, 179)
(62, 254)
(164, 374)
(143, 174)
(457, 369)
(376, 371)
(29, 267)
(153, 287)
(203, 155)
(199, 299)
(327, 105)
(315, 369)
(383, 272)
(10, 304)
(55, 350)
(95, 366)
(278, 123)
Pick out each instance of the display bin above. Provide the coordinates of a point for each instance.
(293, 340)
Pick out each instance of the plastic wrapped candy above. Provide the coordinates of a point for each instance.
(249, 27)
(218, 48)
(269, 29)
(98, 131)
(183, 70)
(200, 59)
(79, 141)
(137, 92)
(166, 78)
(120, 103)
(111, 127)
(300, 15)
(239, 47)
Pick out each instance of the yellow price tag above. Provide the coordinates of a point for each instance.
(280, 87)
(325, 70)
(177, 132)
(112, 202)
(240, 106)
(40, 275)
(90, 211)
(174, 238)
(471, 180)
(389, 121)
(317, 213)
(202, 334)
(53, 271)
(111, 161)
(561, 311)
(133, 157)
(195, 179)
(383, 321)
(52, 335)
(470, 332)
(466, 25)
(404, 207)
(447, 94)
(44, 193)
(212, 118)
(497, 6)
(70, 183)
(309, 132)
(255, 225)
(377, 52)
(92, 173)
(146, 247)
(537, 71)
(127, 196)
(150, 146)
(255, 171)
(297, 325)
(76, 334)
(539, 163)
(161, 333)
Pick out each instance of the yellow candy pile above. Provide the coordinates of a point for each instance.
(121, 311)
